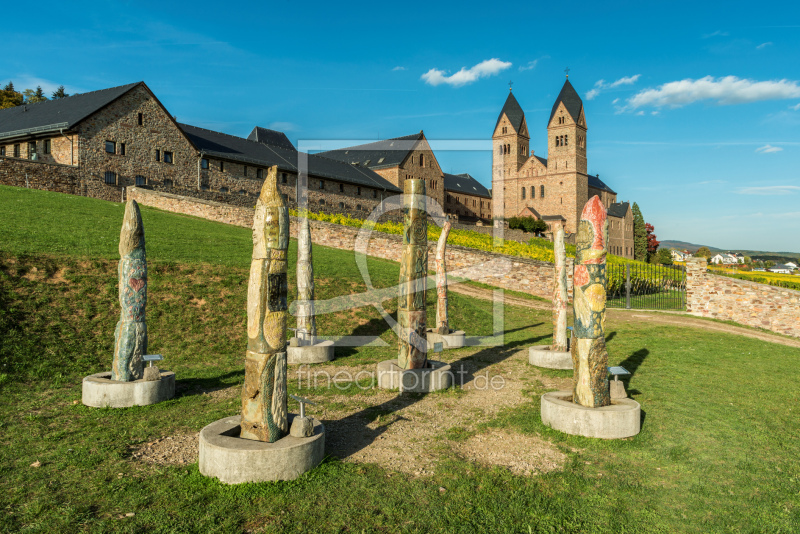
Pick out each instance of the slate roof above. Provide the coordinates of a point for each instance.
(380, 154)
(53, 115)
(597, 183)
(234, 148)
(270, 137)
(513, 111)
(618, 209)
(571, 100)
(465, 184)
(543, 161)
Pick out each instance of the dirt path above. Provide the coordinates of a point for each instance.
(617, 315)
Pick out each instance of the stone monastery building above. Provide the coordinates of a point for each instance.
(557, 187)
(96, 144)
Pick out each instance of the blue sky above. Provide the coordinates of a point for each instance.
(694, 110)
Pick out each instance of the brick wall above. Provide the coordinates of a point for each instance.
(40, 175)
(747, 303)
(508, 272)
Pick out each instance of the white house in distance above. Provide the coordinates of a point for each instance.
(727, 259)
(783, 268)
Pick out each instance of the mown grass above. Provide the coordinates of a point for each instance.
(719, 449)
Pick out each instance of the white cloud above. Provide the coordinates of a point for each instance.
(615, 101)
(718, 33)
(399, 68)
(484, 69)
(601, 85)
(654, 113)
(768, 149)
(282, 126)
(763, 45)
(640, 113)
(795, 107)
(788, 215)
(531, 65)
(770, 190)
(27, 81)
(727, 90)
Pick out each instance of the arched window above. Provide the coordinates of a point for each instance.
(566, 140)
(341, 205)
(422, 160)
(141, 180)
(557, 141)
(533, 191)
(541, 191)
(523, 193)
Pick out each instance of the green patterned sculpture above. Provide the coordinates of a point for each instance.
(411, 312)
(589, 356)
(264, 395)
(130, 337)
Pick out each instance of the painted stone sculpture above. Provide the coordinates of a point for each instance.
(130, 337)
(306, 323)
(559, 292)
(589, 356)
(411, 312)
(442, 323)
(264, 396)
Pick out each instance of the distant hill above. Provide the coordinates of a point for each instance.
(781, 256)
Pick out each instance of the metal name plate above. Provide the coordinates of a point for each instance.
(617, 370)
(438, 347)
(152, 357)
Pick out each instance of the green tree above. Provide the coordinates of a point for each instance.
(705, 252)
(639, 234)
(61, 92)
(664, 257)
(32, 97)
(9, 97)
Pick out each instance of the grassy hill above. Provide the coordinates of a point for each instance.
(719, 449)
(756, 254)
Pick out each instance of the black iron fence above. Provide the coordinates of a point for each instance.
(646, 287)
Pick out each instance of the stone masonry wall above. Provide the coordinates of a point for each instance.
(508, 272)
(40, 175)
(119, 122)
(742, 301)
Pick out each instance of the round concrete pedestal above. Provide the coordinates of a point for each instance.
(543, 356)
(99, 391)
(318, 353)
(454, 340)
(234, 460)
(622, 419)
(434, 378)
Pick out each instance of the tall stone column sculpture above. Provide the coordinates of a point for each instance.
(559, 292)
(411, 312)
(442, 323)
(305, 282)
(130, 383)
(130, 336)
(589, 356)
(264, 396)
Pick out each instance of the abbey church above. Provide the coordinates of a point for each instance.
(557, 187)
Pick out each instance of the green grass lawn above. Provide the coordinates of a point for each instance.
(719, 449)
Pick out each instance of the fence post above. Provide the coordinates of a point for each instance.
(627, 286)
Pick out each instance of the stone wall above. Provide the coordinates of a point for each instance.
(742, 301)
(144, 150)
(508, 272)
(39, 175)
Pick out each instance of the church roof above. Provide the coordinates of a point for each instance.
(385, 153)
(513, 111)
(618, 209)
(61, 113)
(596, 183)
(571, 101)
(270, 137)
(466, 184)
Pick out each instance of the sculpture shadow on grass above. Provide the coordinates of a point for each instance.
(374, 327)
(186, 387)
(351, 434)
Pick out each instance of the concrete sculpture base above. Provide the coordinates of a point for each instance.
(317, 353)
(99, 391)
(434, 378)
(454, 340)
(234, 460)
(622, 419)
(543, 356)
